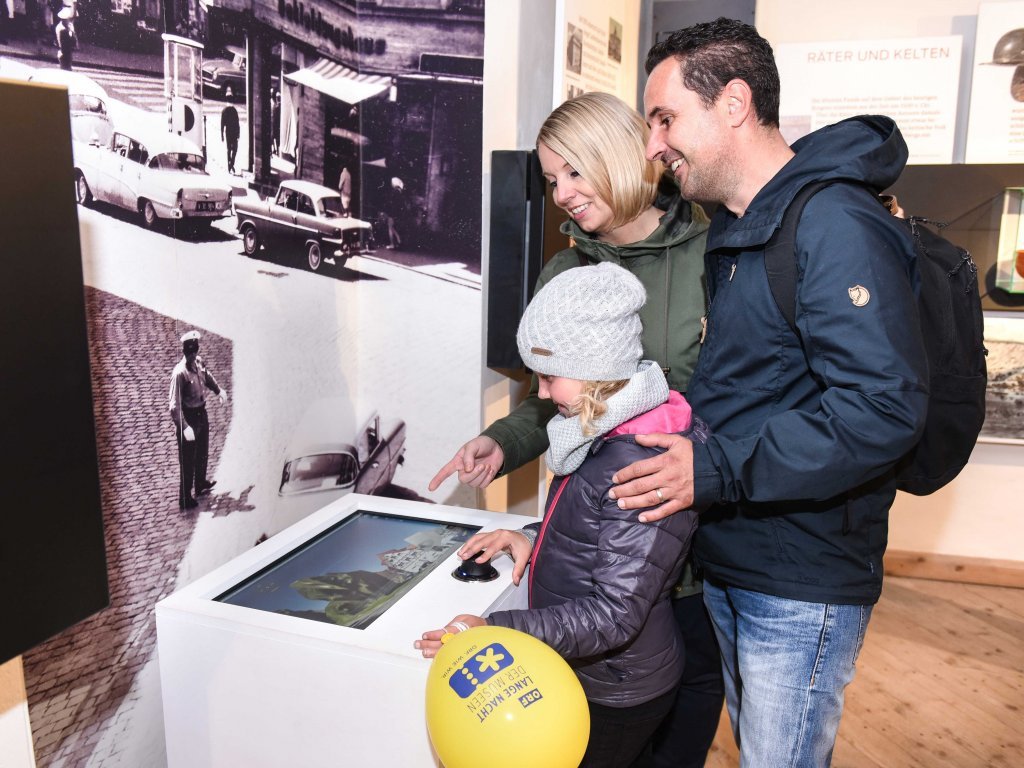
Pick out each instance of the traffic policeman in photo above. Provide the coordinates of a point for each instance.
(187, 403)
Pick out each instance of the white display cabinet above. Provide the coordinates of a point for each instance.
(1010, 256)
(300, 652)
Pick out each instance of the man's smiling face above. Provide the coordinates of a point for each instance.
(689, 138)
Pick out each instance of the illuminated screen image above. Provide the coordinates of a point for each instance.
(354, 571)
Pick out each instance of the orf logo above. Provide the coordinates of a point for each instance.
(479, 669)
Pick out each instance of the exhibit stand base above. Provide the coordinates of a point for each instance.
(300, 651)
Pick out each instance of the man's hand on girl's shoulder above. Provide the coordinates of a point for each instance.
(664, 482)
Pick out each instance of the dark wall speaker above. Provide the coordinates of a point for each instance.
(516, 249)
(51, 546)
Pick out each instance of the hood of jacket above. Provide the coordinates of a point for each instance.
(868, 149)
(674, 415)
(680, 222)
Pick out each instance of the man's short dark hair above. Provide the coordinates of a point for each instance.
(713, 53)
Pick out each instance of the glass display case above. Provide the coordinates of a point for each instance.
(1010, 254)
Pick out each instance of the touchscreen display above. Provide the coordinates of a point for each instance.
(354, 571)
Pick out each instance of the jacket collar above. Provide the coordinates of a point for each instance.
(868, 150)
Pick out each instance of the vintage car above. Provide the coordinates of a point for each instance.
(302, 216)
(12, 69)
(225, 78)
(90, 120)
(160, 175)
(329, 457)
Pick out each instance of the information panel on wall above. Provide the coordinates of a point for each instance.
(995, 128)
(596, 48)
(912, 80)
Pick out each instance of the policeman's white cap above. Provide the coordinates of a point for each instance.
(190, 336)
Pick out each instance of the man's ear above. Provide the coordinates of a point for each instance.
(737, 101)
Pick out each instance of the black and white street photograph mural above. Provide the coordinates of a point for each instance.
(295, 188)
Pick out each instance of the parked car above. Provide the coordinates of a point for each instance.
(160, 175)
(87, 101)
(304, 217)
(13, 69)
(329, 457)
(225, 78)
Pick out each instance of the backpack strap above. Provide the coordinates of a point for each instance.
(780, 253)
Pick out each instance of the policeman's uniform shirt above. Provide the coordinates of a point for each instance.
(188, 387)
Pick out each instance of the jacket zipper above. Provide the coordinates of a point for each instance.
(665, 367)
(540, 538)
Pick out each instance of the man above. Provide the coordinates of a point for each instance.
(229, 133)
(275, 122)
(345, 189)
(798, 471)
(67, 40)
(187, 402)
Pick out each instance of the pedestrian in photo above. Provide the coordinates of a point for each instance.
(345, 189)
(797, 479)
(67, 38)
(592, 153)
(394, 210)
(229, 133)
(275, 122)
(187, 402)
(601, 581)
(50, 10)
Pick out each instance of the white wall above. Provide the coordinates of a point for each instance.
(518, 83)
(979, 513)
(15, 733)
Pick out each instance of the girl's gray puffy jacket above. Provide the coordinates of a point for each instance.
(600, 581)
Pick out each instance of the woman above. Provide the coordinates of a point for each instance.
(592, 152)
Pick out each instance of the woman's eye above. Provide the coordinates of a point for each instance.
(574, 174)
(552, 184)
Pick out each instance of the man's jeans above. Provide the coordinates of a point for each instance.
(786, 665)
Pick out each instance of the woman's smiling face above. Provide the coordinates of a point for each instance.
(572, 193)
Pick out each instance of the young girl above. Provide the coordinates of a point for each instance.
(600, 580)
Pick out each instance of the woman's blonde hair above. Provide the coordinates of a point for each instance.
(592, 402)
(605, 141)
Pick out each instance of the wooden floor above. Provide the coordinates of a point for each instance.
(939, 684)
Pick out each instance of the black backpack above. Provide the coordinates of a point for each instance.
(949, 307)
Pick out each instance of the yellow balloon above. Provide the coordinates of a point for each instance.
(501, 698)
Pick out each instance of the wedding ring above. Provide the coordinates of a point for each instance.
(658, 492)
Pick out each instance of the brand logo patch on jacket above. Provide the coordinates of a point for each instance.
(859, 295)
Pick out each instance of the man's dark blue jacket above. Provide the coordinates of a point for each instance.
(799, 464)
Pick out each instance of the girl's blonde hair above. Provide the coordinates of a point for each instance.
(605, 141)
(592, 402)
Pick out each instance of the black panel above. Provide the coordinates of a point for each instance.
(52, 559)
(516, 249)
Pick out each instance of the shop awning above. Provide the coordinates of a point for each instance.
(340, 82)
